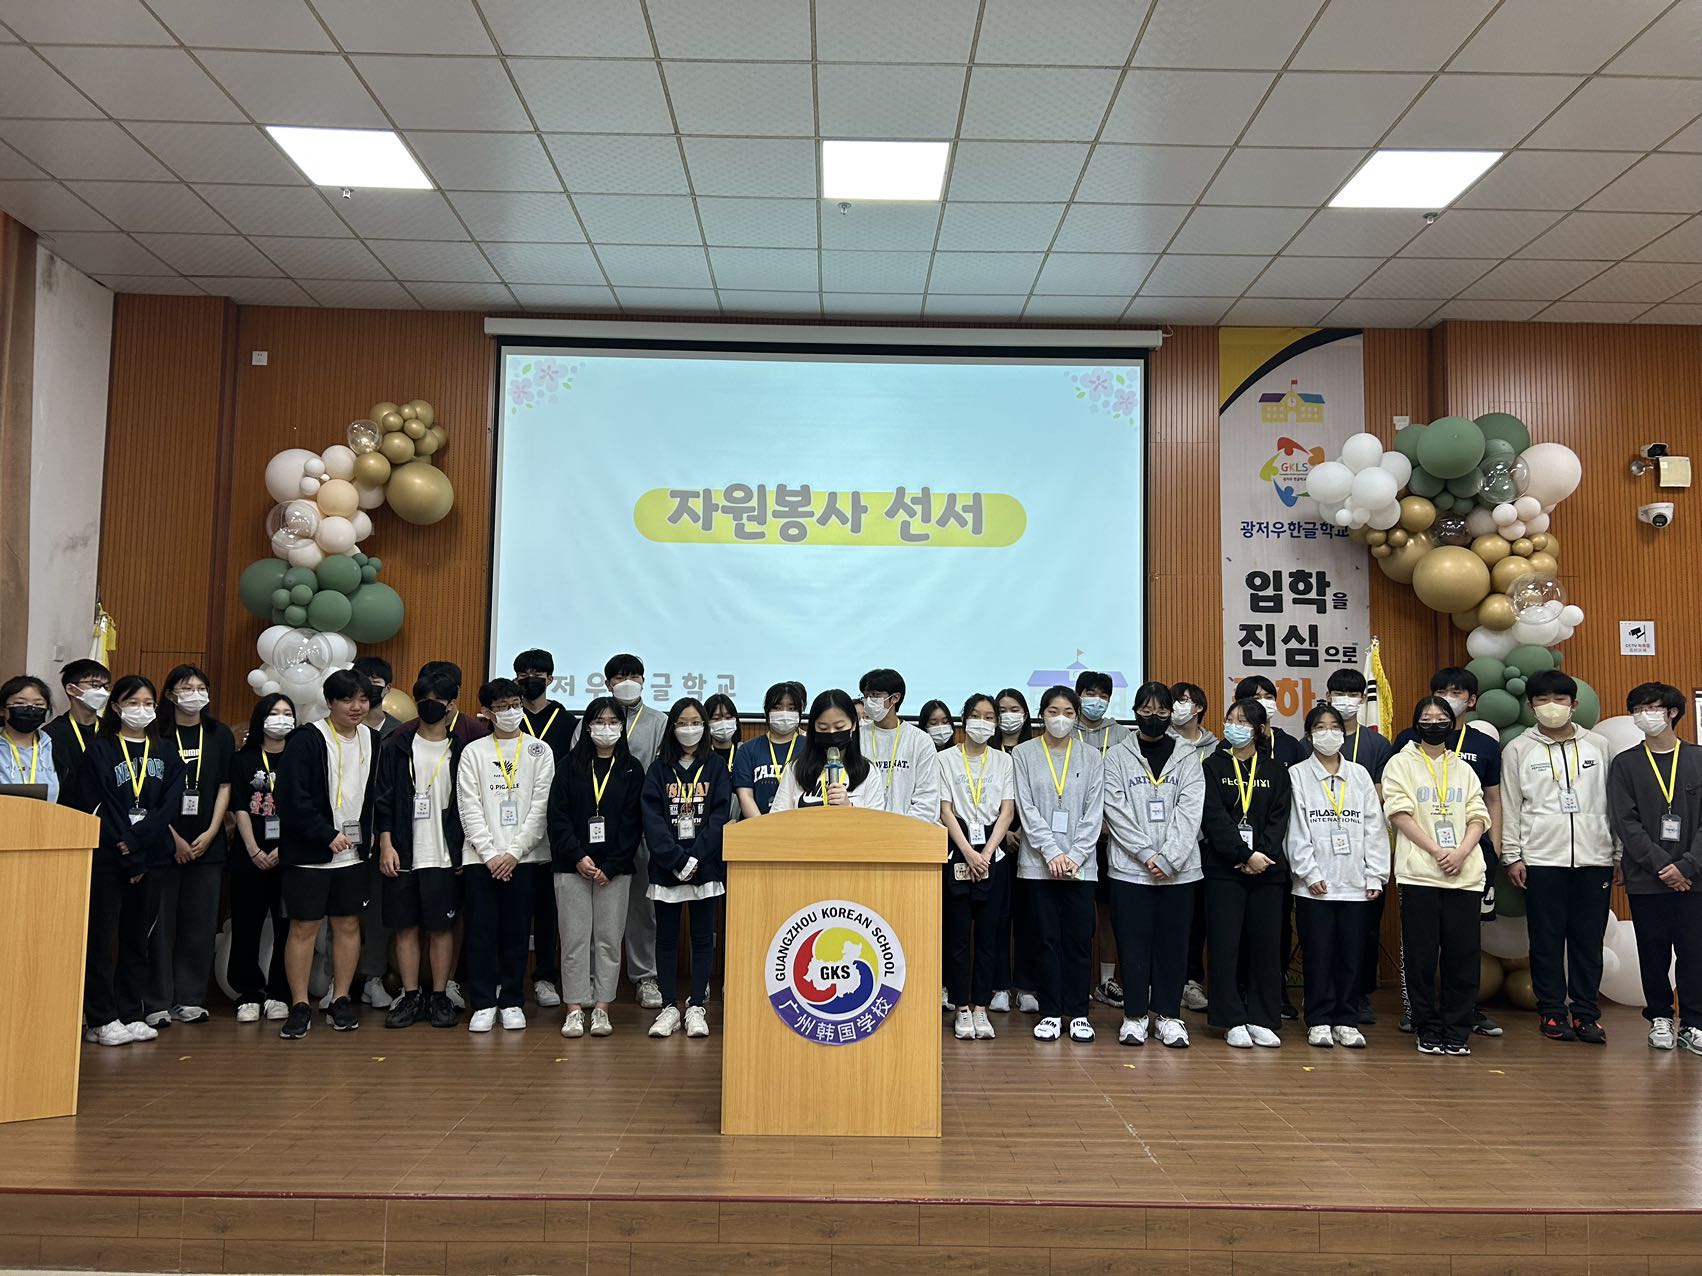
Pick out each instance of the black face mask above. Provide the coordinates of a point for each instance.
(832, 739)
(25, 718)
(433, 712)
(1433, 732)
(1153, 725)
(532, 688)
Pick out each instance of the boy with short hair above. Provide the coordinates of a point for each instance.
(552, 723)
(88, 685)
(379, 677)
(903, 754)
(1347, 688)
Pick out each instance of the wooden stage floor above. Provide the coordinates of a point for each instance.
(360, 1150)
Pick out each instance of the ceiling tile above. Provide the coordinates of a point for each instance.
(275, 210)
(746, 166)
(486, 161)
(1644, 281)
(214, 153)
(1063, 32)
(1474, 232)
(106, 253)
(1532, 280)
(1167, 310)
(1590, 312)
(1200, 275)
(14, 166)
(1389, 35)
(580, 96)
(1503, 311)
(880, 272)
(862, 101)
(405, 26)
(942, 305)
(1690, 294)
(1480, 112)
(741, 98)
(315, 90)
(1313, 276)
(365, 294)
(161, 206)
(1329, 108)
(31, 89)
(274, 24)
(1621, 115)
(563, 296)
(653, 266)
(432, 261)
(1089, 309)
(1278, 312)
(1669, 47)
(1015, 170)
(83, 22)
(540, 218)
(1201, 108)
(871, 305)
(1238, 230)
(1122, 174)
(209, 254)
(255, 292)
(1088, 274)
(1658, 184)
(687, 301)
(144, 84)
(552, 264)
(777, 269)
(777, 29)
(448, 93)
(1682, 244)
(1671, 314)
(1380, 314)
(1546, 179)
(1356, 232)
(758, 223)
(613, 164)
(1603, 236)
(1555, 35)
(321, 258)
(1060, 104)
(1000, 227)
(1282, 177)
(987, 272)
(578, 28)
(1689, 139)
(746, 301)
(158, 285)
(639, 219)
(1224, 33)
(1413, 279)
(898, 227)
(48, 206)
(401, 215)
(462, 296)
(95, 149)
(861, 30)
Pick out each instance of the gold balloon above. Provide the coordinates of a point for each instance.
(1417, 514)
(1508, 570)
(1490, 976)
(400, 705)
(407, 411)
(1381, 551)
(423, 411)
(426, 444)
(1540, 542)
(1553, 544)
(414, 429)
(1523, 547)
(1519, 989)
(1465, 621)
(1545, 563)
(398, 448)
(1376, 538)
(391, 421)
(442, 436)
(372, 469)
(1496, 612)
(1399, 536)
(379, 410)
(1359, 535)
(1450, 578)
(338, 498)
(1399, 566)
(1491, 548)
(420, 493)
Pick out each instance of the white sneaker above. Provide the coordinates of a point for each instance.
(697, 1022)
(1240, 1038)
(108, 1034)
(248, 1012)
(1263, 1036)
(325, 1001)
(190, 1014)
(482, 1020)
(1081, 1031)
(1001, 1001)
(983, 1026)
(275, 1009)
(1173, 1033)
(1028, 1003)
(600, 1025)
(1320, 1035)
(1690, 1039)
(452, 990)
(649, 994)
(376, 995)
(574, 1024)
(1351, 1037)
(945, 1000)
(1661, 1035)
(1133, 1032)
(965, 1027)
(162, 1018)
(1194, 996)
(140, 1031)
(513, 1018)
(545, 994)
(1048, 1029)
(667, 1023)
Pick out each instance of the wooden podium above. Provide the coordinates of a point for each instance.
(44, 926)
(844, 896)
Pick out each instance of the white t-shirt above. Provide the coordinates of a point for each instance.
(996, 784)
(431, 770)
(346, 765)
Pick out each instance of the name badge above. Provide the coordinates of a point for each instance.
(269, 829)
(351, 830)
(508, 813)
(1569, 801)
(191, 803)
(1446, 838)
(960, 871)
(596, 832)
(422, 806)
(1669, 828)
(685, 826)
(1246, 831)
(1155, 810)
(1060, 821)
(137, 815)
(978, 835)
(1339, 843)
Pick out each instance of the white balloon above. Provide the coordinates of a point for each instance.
(257, 679)
(1505, 513)
(1566, 632)
(1539, 633)
(313, 467)
(1343, 518)
(1359, 518)
(1362, 452)
(339, 461)
(370, 497)
(1537, 524)
(1329, 481)
(1512, 531)
(309, 486)
(1480, 522)
(1572, 614)
(270, 687)
(363, 525)
(1620, 733)
(343, 648)
(336, 535)
(1382, 520)
(1398, 465)
(1373, 489)
(307, 554)
(1555, 472)
(1506, 937)
(1527, 507)
(1490, 642)
(284, 471)
(268, 640)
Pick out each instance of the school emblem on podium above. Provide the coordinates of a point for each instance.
(835, 972)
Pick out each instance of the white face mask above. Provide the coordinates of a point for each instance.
(192, 701)
(1011, 723)
(627, 691)
(605, 734)
(279, 725)
(978, 730)
(1060, 725)
(1270, 708)
(508, 720)
(1457, 704)
(1182, 713)
(689, 736)
(876, 705)
(1651, 722)
(94, 698)
(723, 730)
(137, 717)
(942, 734)
(1327, 742)
(783, 722)
(1347, 706)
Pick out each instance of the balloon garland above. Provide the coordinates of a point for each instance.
(319, 591)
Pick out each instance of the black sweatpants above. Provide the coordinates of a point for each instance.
(1151, 924)
(1669, 922)
(1197, 939)
(116, 960)
(499, 917)
(971, 940)
(255, 895)
(1371, 948)
(186, 929)
(1025, 939)
(1332, 936)
(546, 940)
(700, 917)
(1063, 917)
(1439, 944)
(1566, 914)
(1005, 868)
(1244, 951)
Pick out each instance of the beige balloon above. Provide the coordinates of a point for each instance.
(1545, 563)
(1496, 612)
(414, 429)
(398, 448)
(391, 421)
(372, 469)
(1381, 551)
(380, 410)
(1417, 514)
(442, 436)
(407, 412)
(420, 493)
(1399, 566)
(400, 705)
(338, 498)
(1491, 548)
(1465, 621)
(1450, 578)
(1376, 538)
(423, 411)
(1523, 547)
(1399, 536)
(426, 444)
(1540, 542)
(1508, 570)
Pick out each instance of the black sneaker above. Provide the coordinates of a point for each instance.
(1557, 1029)
(1590, 1031)
(1484, 1026)
(406, 1010)
(1430, 1045)
(297, 1025)
(1406, 1021)
(1456, 1048)
(1363, 1012)
(1288, 1010)
(443, 1012)
(344, 1015)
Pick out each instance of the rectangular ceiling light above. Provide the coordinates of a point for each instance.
(1413, 179)
(883, 170)
(371, 159)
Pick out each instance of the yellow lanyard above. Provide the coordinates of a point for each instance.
(510, 774)
(632, 722)
(82, 744)
(1356, 732)
(688, 787)
(1571, 770)
(892, 763)
(1330, 782)
(1460, 744)
(271, 775)
(360, 752)
(200, 751)
(1057, 781)
(978, 783)
(18, 758)
(1104, 740)
(774, 758)
(1245, 789)
(1440, 786)
(597, 790)
(447, 748)
(1670, 785)
(137, 780)
(526, 721)
(823, 786)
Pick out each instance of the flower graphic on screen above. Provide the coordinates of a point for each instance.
(542, 380)
(1107, 390)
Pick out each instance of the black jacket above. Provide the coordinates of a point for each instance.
(572, 804)
(1267, 814)
(103, 787)
(713, 807)
(307, 822)
(393, 808)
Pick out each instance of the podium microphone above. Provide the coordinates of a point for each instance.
(835, 768)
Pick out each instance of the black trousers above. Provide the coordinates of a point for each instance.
(1151, 924)
(116, 961)
(499, 917)
(1244, 951)
(1063, 917)
(1372, 944)
(1566, 914)
(1025, 958)
(700, 917)
(546, 940)
(1005, 868)
(1332, 935)
(1197, 939)
(1439, 944)
(1667, 923)
(971, 929)
(186, 928)
(256, 895)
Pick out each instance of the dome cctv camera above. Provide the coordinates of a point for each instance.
(1653, 450)
(1656, 515)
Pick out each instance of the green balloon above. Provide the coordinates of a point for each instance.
(1466, 484)
(1443, 502)
(1498, 708)
(1589, 710)
(376, 613)
(1494, 448)
(377, 564)
(368, 574)
(1451, 447)
(1422, 483)
(258, 582)
(300, 576)
(329, 611)
(1516, 687)
(1559, 657)
(1506, 428)
(280, 599)
(1527, 715)
(360, 560)
(277, 615)
(295, 617)
(339, 572)
(1529, 659)
(301, 595)
(1509, 899)
(1406, 441)
(1489, 672)
(1512, 733)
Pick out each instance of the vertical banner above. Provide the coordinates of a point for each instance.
(1296, 602)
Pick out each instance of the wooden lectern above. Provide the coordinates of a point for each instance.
(44, 926)
(827, 910)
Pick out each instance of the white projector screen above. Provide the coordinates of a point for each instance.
(740, 518)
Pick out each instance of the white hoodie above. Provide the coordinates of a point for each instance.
(1349, 867)
(482, 787)
(1536, 774)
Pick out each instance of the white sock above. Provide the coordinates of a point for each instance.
(1106, 970)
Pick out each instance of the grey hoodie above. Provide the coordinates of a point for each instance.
(1135, 836)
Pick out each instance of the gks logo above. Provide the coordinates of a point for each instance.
(835, 972)
(1286, 471)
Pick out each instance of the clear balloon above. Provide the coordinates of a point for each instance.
(1538, 598)
(290, 648)
(319, 652)
(1451, 529)
(363, 437)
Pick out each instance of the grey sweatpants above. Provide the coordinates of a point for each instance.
(592, 920)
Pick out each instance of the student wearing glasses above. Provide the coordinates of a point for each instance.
(88, 686)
